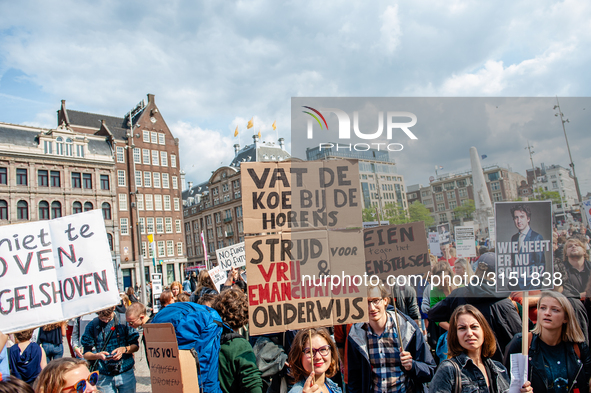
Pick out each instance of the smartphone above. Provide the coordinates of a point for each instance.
(109, 357)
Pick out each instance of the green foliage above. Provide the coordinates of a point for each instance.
(418, 212)
(543, 195)
(395, 214)
(465, 210)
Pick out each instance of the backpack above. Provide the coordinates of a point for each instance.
(200, 328)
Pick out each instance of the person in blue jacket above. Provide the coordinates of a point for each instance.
(376, 363)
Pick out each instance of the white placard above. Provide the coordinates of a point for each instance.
(231, 256)
(55, 270)
(218, 276)
(434, 244)
(492, 239)
(465, 242)
(587, 207)
(518, 372)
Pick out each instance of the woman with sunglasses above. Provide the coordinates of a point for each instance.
(321, 353)
(67, 375)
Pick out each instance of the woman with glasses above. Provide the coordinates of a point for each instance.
(471, 343)
(313, 362)
(66, 375)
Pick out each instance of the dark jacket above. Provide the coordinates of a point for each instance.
(536, 373)
(536, 258)
(406, 301)
(497, 308)
(445, 377)
(238, 371)
(576, 278)
(359, 367)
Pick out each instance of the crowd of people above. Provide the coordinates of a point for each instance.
(439, 338)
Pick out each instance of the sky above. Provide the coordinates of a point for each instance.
(213, 65)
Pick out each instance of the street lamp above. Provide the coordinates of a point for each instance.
(572, 165)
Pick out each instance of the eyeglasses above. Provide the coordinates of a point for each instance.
(80, 386)
(375, 302)
(323, 351)
(134, 323)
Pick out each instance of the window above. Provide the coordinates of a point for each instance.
(155, 160)
(236, 183)
(173, 160)
(495, 186)
(178, 226)
(219, 231)
(156, 179)
(142, 222)
(76, 207)
(225, 187)
(138, 178)
(69, 147)
(154, 137)
(177, 205)
(146, 136)
(43, 210)
(106, 211)
(123, 226)
(170, 248)
(88, 206)
(147, 179)
(80, 150)
(159, 225)
(158, 202)
(240, 227)
(4, 176)
(144, 250)
(22, 210)
(150, 224)
(493, 176)
(120, 154)
(453, 204)
(214, 191)
(161, 248)
(163, 158)
(168, 224)
(195, 226)
(440, 207)
(443, 217)
(146, 156)
(139, 198)
(42, 178)
(236, 194)
(451, 195)
(56, 209)
(104, 182)
(59, 144)
(4, 210)
(463, 193)
(21, 177)
(239, 211)
(152, 250)
(48, 147)
(218, 217)
(161, 139)
(137, 155)
(439, 197)
(55, 179)
(497, 196)
(165, 183)
(121, 178)
(175, 183)
(76, 180)
(149, 202)
(122, 202)
(179, 249)
(87, 180)
(166, 202)
(110, 240)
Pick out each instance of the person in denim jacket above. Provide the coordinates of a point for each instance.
(471, 343)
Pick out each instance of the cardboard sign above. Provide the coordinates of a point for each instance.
(524, 246)
(291, 196)
(491, 231)
(55, 270)
(444, 235)
(304, 279)
(231, 256)
(218, 276)
(465, 242)
(396, 250)
(434, 244)
(372, 224)
(171, 370)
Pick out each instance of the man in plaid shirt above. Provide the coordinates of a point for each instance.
(375, 360)
(115, 360)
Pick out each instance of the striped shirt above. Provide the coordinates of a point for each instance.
(387, 374)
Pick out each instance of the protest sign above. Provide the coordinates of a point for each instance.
(171, 370)
(434, 244)
(586, 205)
(55, 270)
(491, 232)
(300, 195)
(444, 235)
(524, 246)
(156, 291)
(465, 241)
(218, 276)
(231, 256)
(303, 279)
(396, 250)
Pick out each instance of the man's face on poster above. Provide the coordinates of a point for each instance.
(520, 219)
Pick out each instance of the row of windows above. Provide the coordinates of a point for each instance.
(47, 211)
(153, 179)
(153, 202)
(63, 147)
(47, 178)
(162, 225)
(164, 248)
(148, 157)
(154, 137)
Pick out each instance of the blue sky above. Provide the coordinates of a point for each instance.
(214, 64)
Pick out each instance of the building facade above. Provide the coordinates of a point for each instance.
(449, 191)
(146, 181)
(214, 207)
(380, 182)
(50, 173)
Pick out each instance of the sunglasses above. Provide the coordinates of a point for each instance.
(80, 386)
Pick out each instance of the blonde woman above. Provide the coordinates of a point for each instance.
(559, 358)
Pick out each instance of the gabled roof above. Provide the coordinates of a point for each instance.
(117, 125)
